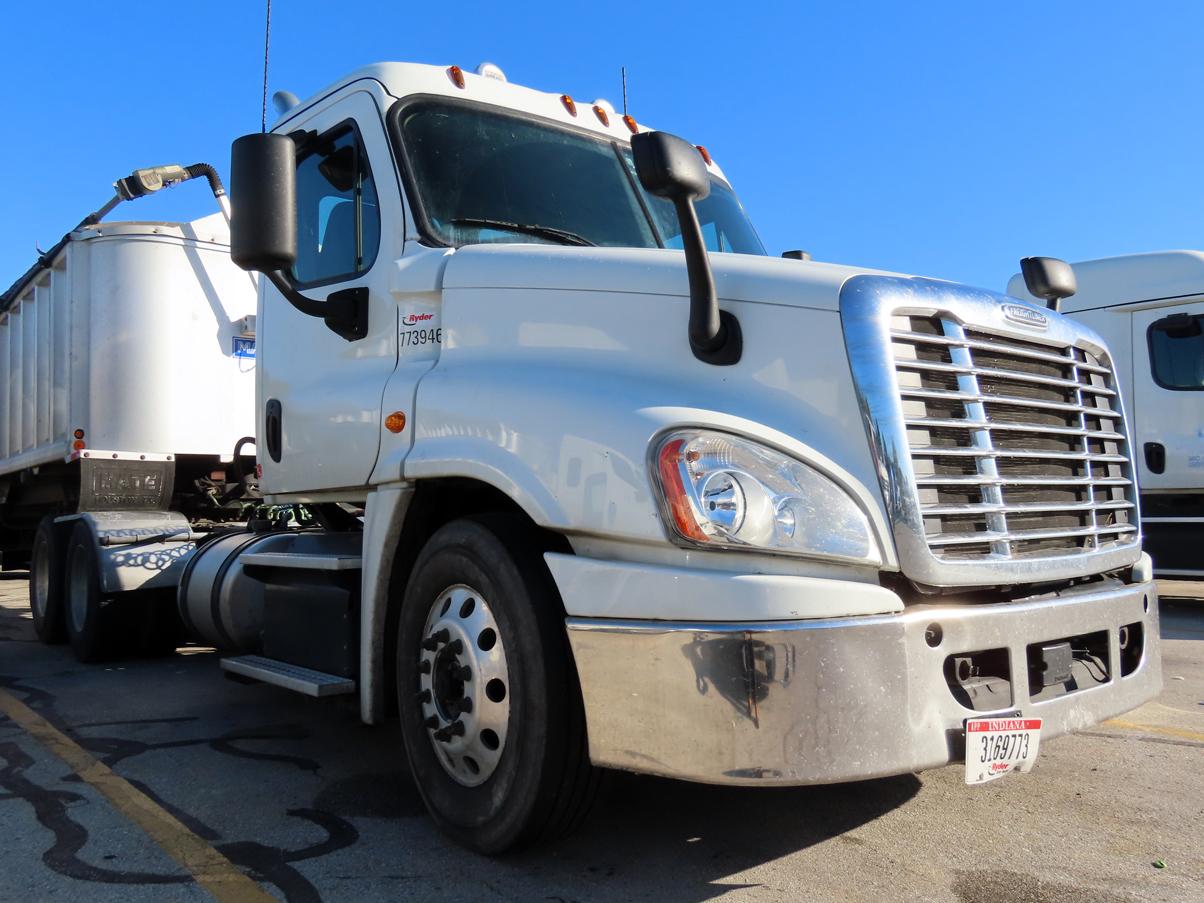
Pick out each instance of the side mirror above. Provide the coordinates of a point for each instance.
(1048, 278)
(672, 168)
(263, 189)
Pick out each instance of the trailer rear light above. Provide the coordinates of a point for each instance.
(78, 434)
(456, 74)
(569, 104)
(706, 155)
(78, 445)
(630, 123)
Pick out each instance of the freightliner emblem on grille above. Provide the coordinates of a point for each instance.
(1026, 316)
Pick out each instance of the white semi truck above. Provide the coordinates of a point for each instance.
(1149, 308)
(581, 478)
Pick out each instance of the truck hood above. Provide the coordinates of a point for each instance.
(647, 271)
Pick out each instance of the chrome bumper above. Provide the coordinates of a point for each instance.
(821, 701)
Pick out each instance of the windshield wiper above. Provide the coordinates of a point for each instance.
(561, 235)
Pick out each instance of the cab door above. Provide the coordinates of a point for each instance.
(1168, 396)
(320, 394)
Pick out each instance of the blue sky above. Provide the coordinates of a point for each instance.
(943, 139)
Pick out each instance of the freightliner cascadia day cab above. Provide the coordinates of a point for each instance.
(1149, 308)
(560, 469)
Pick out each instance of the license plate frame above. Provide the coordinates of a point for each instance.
(1000, 745)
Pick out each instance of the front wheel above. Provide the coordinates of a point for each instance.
(490, 707)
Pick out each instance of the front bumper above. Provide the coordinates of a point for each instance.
(827, 700)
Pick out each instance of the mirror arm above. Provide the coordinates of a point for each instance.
(715, 335)
(345, 312)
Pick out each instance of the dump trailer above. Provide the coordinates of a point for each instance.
(563, 471)
(1150, 309)
(127, 359)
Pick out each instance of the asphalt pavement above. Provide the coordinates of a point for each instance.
(112, 775)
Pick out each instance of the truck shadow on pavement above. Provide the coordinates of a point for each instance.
(344, 820)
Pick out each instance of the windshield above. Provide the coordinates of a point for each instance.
(486, 175)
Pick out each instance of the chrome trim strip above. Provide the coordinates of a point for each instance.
(867, 306)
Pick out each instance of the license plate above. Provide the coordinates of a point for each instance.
(996, 746)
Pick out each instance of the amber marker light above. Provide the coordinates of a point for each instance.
(456, 74)
(706, 156)
(602, 116)
(78, 445)
(569, 104)
(630, 122)
(395, 422)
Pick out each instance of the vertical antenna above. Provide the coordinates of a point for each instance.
(267, 43)
(623, 71)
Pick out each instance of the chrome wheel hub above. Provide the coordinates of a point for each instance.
(464, 685)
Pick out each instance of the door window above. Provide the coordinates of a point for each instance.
(338, 218)
(1177, 352)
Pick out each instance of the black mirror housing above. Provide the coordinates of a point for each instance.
(263, 200)
(1048, 278)
(670, 167)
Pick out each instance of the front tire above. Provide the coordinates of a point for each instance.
(46, 583)
(481, 644)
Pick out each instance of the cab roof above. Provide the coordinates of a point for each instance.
(405, 79)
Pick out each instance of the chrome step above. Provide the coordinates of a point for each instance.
(291, 677)
(302, 561)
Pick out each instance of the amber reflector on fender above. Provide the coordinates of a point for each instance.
(395, 422)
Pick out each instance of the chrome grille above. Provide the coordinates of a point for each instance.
(1018, 448)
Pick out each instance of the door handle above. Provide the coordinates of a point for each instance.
(1155, 457)
(273, 425)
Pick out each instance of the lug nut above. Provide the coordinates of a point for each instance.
(424, 696)
(435, 640)
(455, 729)
(465, 705)
(463, 674)
(431, 723)
(455, 647)
(424, 667)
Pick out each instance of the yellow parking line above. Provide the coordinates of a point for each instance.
(1156, 729)
(211, 869)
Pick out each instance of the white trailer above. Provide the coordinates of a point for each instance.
(581, 478)
(1150, 310)
(127, 359)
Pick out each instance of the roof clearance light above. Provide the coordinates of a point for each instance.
(456, 74)
(602, 114)
(569, 104)
(491, 70)
(630, 122)
(706, 156)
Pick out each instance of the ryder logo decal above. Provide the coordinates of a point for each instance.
(415, 319)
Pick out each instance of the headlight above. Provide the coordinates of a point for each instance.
(720, 490)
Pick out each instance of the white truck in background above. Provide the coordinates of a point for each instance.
(127, 364)
(579, 477)
(1149, 308)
